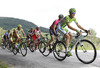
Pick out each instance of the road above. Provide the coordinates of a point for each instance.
(37, 60)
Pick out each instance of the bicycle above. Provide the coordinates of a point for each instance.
(83, 47)
(22, 47)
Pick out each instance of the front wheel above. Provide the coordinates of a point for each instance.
(14, 50)
(85, 51)
(44, 49)
(31, 47)
(23, 49)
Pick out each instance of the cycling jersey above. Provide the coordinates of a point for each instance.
(6, 35)
(62, 23)
(54, 24)
(37, 33)
(19, 31)
(29, 34)
(66, 20)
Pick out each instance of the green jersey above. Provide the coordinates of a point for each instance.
(66, 20)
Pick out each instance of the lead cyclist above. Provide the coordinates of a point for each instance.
(20, 33)
(65, 32)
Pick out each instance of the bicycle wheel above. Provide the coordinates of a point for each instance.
(23, 49)
(86, 51)
(42, 47)
(31, 47)
(45, 51)
(3, 46)
(60, 51)
(14, 50)
(8, 46)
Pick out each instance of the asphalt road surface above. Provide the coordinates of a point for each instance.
(37, 60)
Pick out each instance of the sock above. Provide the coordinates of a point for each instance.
(67, 48)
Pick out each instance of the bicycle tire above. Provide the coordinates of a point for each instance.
(95, 53)
(23, 46)
(56, 55)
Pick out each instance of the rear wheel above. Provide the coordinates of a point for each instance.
(60, 51)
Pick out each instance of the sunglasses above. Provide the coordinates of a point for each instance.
(73, 13)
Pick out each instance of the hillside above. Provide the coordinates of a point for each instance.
(9, 23)
(43, 29)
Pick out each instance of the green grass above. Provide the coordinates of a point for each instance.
(4, 65)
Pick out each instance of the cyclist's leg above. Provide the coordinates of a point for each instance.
(33, 37)
(71, 37)
(52, 37)
(67, 39)
(66, 32)
(27, 41)
(4, 39)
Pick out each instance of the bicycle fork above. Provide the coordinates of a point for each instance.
(83, 48)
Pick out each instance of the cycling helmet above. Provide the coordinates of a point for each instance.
(72, 10)
(19, 25)
(61, 15)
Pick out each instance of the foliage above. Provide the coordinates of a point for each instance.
(9, 23)
(92, 37)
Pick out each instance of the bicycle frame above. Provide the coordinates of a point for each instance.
(77, 40)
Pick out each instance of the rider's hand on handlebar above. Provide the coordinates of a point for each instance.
(79, 32)
(87, 31)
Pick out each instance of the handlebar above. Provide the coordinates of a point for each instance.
(77, 35)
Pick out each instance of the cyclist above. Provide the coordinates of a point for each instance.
(20, 33)
(29, 36)
(66, 22)
(14, 37)
(6, 36)
(53, 29)
(35, 35)
(11, 40)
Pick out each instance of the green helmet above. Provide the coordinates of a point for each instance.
(19, 25)
(72, 10)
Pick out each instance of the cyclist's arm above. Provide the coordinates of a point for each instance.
(23, 33)
(80, 26)
(41, 34)
(71, 27)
